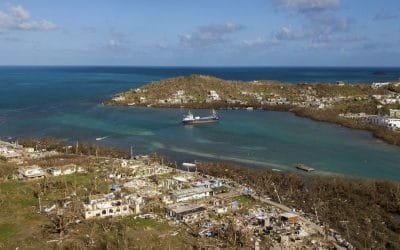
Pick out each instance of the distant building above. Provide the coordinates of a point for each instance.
(340, 83)
(380, 84)
(180, 93)
(29, 150)
(142, 99)
(377, 120)
(65, 170)
(213, 96)
(119, 98)
(391, 123)
(289, 218)
(395, 113)
(9, 153)
(355, 115)
(149, 170)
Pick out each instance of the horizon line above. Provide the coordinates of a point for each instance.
(196, 66)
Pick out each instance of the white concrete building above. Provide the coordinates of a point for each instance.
(389, 122)
(191, 194)
(119, 98)
(9, 153)
(142, 99)
(393, 123)
(65, 170)
(70, 169)
(54, 171)
(395, 113)
(113, 204)
(213, 96)
(180, 93)
(31, 172)
(380, 84)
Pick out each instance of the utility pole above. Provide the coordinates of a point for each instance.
(345, 222)
(276, 191)
(131, 153)
(76, 147)
(316, 214)
(40, 203)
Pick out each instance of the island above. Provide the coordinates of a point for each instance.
(373, 107)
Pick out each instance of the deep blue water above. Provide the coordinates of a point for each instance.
(66, 102)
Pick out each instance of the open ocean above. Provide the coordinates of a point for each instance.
(65, 102)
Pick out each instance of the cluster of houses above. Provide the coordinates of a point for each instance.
(384, 121)
(380, 84)
(35, 171)
(186, 197)
(392, 121)
(387, 99)
(193, 199)
(179, 97)
(305, 98)
(15, 152)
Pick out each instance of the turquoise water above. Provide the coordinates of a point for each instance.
(66, 103)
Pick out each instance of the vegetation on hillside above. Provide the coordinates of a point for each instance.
(198, 86)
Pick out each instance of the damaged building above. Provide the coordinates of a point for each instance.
(191, 194)
(110, 205)
(186, 212)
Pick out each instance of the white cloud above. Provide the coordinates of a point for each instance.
(286, 33)
(259, 43)
(321, 26)
(209, 35)
(89, 29)
(119, 41)
(385, 15)
(307, 5)
(117, 45)
(329, 24)
(18, 18)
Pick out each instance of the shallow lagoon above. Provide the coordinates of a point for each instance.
(66, 103)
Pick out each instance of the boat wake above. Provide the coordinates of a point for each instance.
(232, 159)
(101, 138)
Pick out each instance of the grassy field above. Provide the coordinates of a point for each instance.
(246, 201)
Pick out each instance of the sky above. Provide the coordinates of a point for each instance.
(200, 33)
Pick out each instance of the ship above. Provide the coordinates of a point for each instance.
(190, 119)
